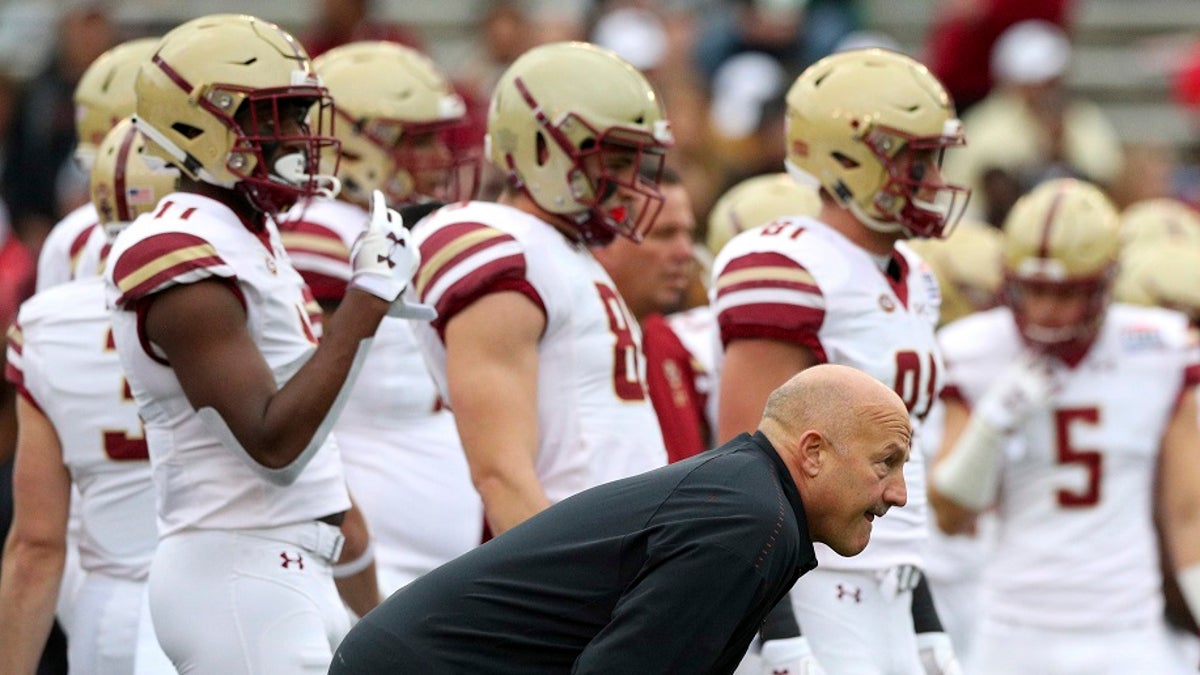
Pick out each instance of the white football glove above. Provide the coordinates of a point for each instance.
(1022, 390)
(789, 656)
(384, 260)
(937, 654)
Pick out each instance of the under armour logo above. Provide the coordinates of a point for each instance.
(396, 241)
(843, 592)
(299, 560)
(780, 671)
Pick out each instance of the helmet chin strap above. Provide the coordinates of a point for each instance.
(805, 179)
(875, 223)
(291, 169)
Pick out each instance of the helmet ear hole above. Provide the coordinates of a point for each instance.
(186, 130)
(846, 161)
(543, 152)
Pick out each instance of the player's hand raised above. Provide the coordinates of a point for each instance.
(384, 260)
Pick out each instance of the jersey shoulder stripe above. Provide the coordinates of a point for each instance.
(467, 259)
(77, 245)
(320, 255)
(768, 295)
(313, 239)
(767, 270)
(162, 260)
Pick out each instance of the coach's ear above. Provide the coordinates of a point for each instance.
(811, 449)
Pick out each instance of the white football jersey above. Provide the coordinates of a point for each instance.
(403, 460)
(201, 483)
(798, 280)
(61, 356)
(1075, 543)
(595, 420)
(73, 249)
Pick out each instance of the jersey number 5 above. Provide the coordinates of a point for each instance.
(1091, 460)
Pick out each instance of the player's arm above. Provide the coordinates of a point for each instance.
(753, 368)
(1179, 497)
(201, 327)
(491, 374)
(952, 517)
(36, 546)
(966, 475)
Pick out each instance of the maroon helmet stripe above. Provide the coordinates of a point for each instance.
(1048, 226)
(171, 73)
(123, 212)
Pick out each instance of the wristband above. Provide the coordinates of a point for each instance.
(362, 562)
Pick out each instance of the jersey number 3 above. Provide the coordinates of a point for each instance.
(121, 445)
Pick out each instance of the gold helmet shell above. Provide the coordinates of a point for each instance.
(1161, 275)
(756, 201)
(858, 122)
(1064, 235)
(125, 183)
(220, 92)
(1159, 220)
(1064, 230)
(383, 91)
(104, 94)
(560, 103)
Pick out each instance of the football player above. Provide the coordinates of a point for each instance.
(403, 460)
(211, 325)
(868, 128)
(79, 426)
(1076, 420)
(539, 357)
(103, 97)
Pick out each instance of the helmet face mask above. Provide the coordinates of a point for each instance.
(617, 179)
(582, 134)
(870, 127)
(912, 173)
(276, 154)
(256, 120)
(1056, 316)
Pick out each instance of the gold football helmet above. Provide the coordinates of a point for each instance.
(967, 266)
(1159, 220)
(565, 109)
(757, 201)
(870, 126)
(125, 183)
(104, 94)
(1064, 234)
(232, 100)
(393, 108)
(1161, 275)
